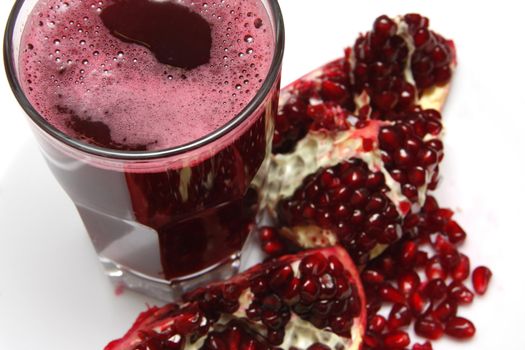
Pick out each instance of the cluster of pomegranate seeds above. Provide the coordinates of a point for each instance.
(350, 200)
(421, 281)
(321, 292)
(412, 151)
(316, 289)
(432, 56)
(319, 104)
(381, 58)
(379, 64)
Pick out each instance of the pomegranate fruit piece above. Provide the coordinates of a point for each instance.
(310, 301)
(357, 142)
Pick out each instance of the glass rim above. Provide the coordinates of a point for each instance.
(243, 115)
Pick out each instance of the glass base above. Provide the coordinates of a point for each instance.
(169, 291)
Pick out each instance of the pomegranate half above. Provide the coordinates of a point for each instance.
(310, 301)
(358, 142)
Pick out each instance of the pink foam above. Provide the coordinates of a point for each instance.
(69, 60)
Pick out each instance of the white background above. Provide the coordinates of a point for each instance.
(54, 296)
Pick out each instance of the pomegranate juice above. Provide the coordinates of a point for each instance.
(150, 75)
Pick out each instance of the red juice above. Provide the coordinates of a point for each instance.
(149, 75)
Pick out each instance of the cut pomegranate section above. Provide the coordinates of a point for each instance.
(375, 105)
(312, 300)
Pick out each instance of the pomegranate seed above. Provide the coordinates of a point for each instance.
(315, 265)
(408, 253)
(333, 91)
(267, 233)
(434, 270)
(309, 290)
(273, 248)
(403, 157)
(372, 341)
(449, 260)
(396, 340)
(435, 289)
(417, 303)
(417, 176)
(390, 294)
(399, 316)
(480, 279)
(409, 282)
(462, 270)
(372, 277)
(281, 277)
(428, 328)
(335, 266)
(455, 233)
(384, 26)
(459, 293)
(421, 37)
(377, 324)
(292, 290)
(442, 245)
(421, 259)
(445, 310)
(461, 328)
(275, 337)
(424, 346)
(428, 157)
(389, 139)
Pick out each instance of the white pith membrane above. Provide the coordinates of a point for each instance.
(299, 334)
(324, 149)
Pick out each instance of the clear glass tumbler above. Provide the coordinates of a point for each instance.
(158, 223)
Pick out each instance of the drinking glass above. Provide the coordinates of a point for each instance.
(163, 222)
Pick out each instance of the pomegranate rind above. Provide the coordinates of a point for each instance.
(145, 320)
(300, 334)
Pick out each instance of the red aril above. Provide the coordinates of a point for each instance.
(425, 346)
(461, 328)
(480, 279)
(429, 328)
(396, 340)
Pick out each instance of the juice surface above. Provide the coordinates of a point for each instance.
(144, 74)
